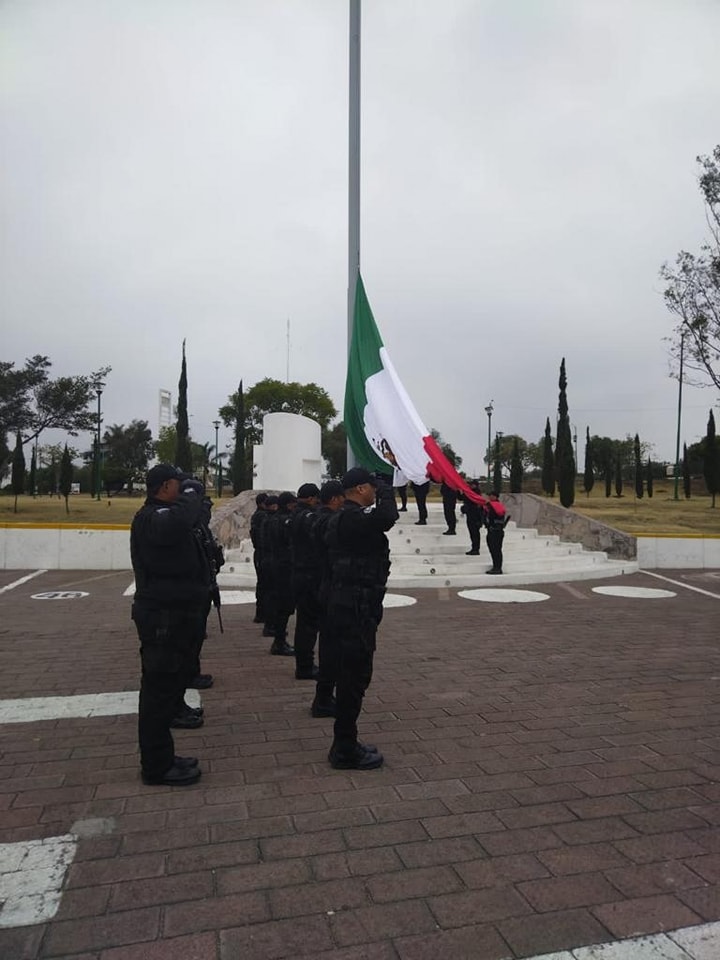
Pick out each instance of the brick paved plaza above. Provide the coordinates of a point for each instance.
(551, 780)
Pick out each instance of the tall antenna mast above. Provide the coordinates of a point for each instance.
(287, 365)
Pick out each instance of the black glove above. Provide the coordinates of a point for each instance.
(193, 487)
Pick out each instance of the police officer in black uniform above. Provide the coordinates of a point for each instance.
(256, 521)
(332, 497)
(449, 500)
(474, 519)
(172, 585)
(305, 581)
(360, 561)
(280, 550)
(496, 518)
(265, 562)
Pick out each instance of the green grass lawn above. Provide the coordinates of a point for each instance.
(660, 514)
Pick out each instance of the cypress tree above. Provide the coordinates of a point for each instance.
(239, 460)
(516, 468)
(711, 462)
(649, 479)
(17, 478)
(687, 480)
(66, 477)
(548, 466)
(588, 476)
(638, 468)
(608, 478)
(564, 456)
(497, 469)
(618, 475)
(183, 450)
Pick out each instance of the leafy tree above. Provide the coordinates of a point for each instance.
(128, 451)
(564, 457)
(334, 449)
(649, 478)
(239, 463)
(17, 482)
(686, 474)
(618, 478)
(66, 476)
(30, 401)
(32, 478)
(516, 469)
(692, 293)
(711, 465)
(166, 444)
(639, 489)
(49, 459)
(274, 396)
(588, 475)
(497, 468)
(183, 451)
(548, 464)
(454, 458)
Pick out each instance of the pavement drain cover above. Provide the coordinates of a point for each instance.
(640, 593)
(229, 597)
(60, 595)
(398, 600)
(492, 595)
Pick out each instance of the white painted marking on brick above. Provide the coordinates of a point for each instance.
(491, 595)
(60, 595)
(130, 591)
(229, 597)
(21, 581)
(679, 583)
(31, 877)
(30, 709)
(639, 593)
(397, 600)
(656, 947)
(701, 942)
(687, 943)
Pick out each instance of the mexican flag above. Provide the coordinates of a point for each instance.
(383, 427)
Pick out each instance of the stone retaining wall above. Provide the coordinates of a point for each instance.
(528, 510)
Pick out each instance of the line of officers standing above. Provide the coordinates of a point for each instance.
(323, 554)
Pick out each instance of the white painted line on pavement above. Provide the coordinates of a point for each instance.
(130, 592)
(21, 581)
(85, 705)
(31, 877)
(679, 583)
(687, 943)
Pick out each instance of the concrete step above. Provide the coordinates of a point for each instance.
(422, 557)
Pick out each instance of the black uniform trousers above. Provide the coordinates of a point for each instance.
(281, 601)
(260, 589)
(494, 539)
(402, 493)
(449, 503)
(327, 652)
(474, 524)
(168, 639)
(306, 589)
(354, 614)
(420, 492)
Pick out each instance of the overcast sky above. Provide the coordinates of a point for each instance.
(178, 169)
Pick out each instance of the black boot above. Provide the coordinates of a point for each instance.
(281, 648)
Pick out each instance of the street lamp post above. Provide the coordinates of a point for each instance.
(679, 416)
(218, 479)
(489, 411)
(575, 442)
(99, 386)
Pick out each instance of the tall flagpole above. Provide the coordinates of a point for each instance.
(353, 176)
